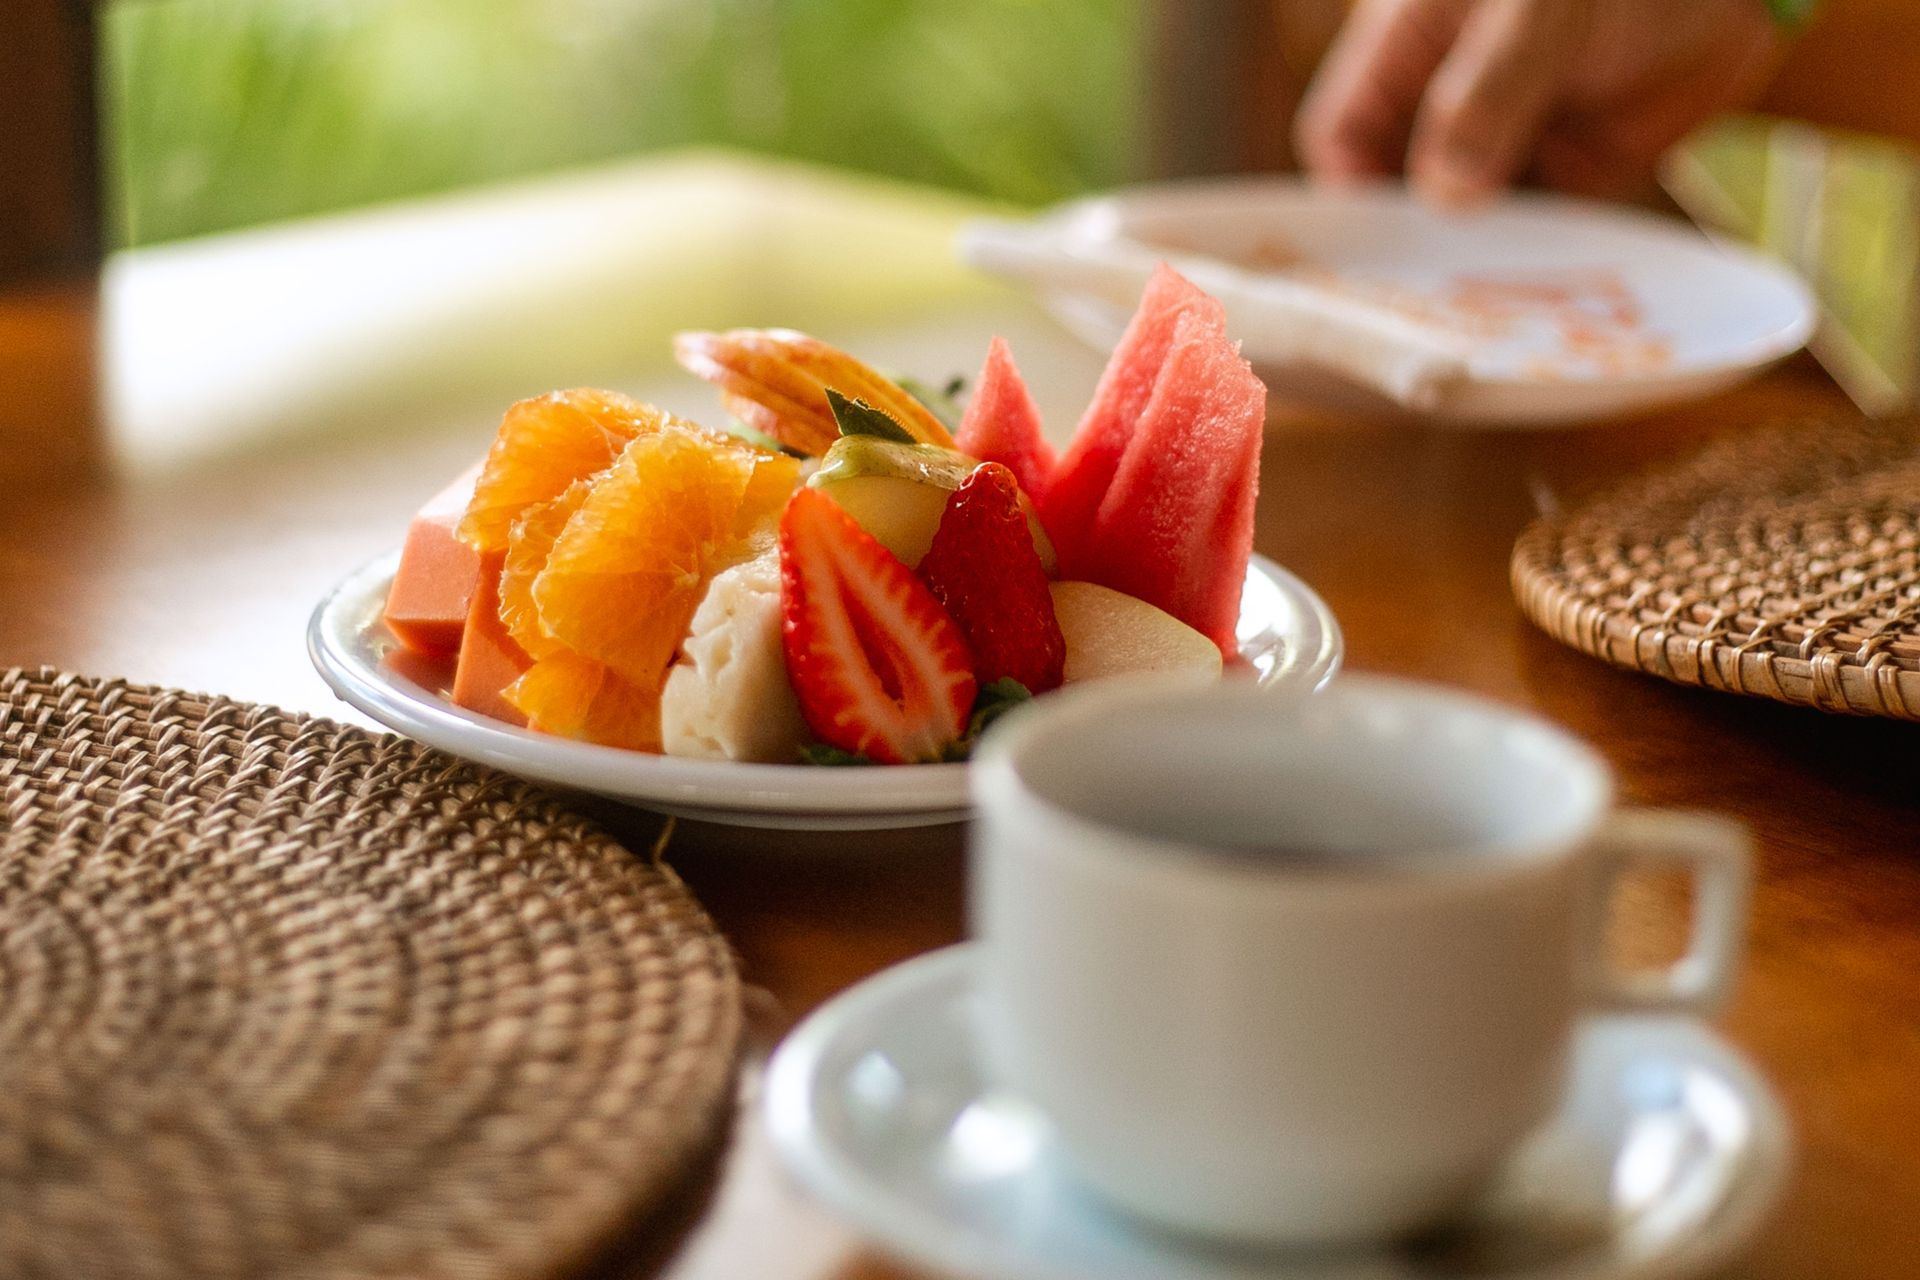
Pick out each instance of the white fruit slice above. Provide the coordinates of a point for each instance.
(1110, 633)
(898, 492)
(727, 697)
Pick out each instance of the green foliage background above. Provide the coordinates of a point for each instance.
(224, 113)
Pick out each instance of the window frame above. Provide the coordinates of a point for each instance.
(50, 205)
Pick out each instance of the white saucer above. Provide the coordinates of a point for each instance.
(1287, 635)
(1715, 313)
(1665, 1159)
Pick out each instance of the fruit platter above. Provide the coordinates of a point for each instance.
(807, 617)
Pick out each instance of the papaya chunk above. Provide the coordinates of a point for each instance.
(432, 590)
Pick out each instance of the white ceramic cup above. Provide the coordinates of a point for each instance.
(1338, 1042)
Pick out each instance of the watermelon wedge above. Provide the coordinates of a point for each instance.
(1175, 525)
(1073, 496)
(1002, 424)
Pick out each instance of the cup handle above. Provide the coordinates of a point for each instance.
(1719, 853)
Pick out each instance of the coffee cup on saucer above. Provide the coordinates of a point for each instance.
(1307, 971)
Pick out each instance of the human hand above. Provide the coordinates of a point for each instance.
(1465, 96)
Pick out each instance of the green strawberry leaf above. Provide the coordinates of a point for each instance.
(759, 439)
(942, 402)
(858, 418)
(994, 701)
(821, 754)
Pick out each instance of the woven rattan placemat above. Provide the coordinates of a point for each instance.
(281, 997)
(1783, 561)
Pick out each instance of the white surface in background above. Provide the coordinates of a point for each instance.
(463, 303)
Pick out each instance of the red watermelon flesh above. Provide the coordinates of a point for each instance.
(1176, 525)
(1003, 425)
(1080, 481)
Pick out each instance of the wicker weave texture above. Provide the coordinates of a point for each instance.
(281, 997)
(1782, 562)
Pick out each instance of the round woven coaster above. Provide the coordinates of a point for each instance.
(280, 997)
(1782, 562)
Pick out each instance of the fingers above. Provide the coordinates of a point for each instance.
(1612, 150)
(1359, 112)
(1490, 97)
(1465, 95)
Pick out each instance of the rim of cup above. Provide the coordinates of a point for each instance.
(1090, 714)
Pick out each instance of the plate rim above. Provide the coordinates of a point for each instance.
(774, 794)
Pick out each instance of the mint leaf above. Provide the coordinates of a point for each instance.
(821, 754)
(858, 418)
(759, 439)
(942, 402)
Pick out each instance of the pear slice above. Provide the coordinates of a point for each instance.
(1110, 633)
(897, 492)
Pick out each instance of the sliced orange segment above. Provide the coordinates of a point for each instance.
(611, 517)
(757, 525)
(575, 697)
(544, 445)
(629, 569)
(529, 547)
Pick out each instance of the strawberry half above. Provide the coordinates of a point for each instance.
(983, 568)
(877, 665)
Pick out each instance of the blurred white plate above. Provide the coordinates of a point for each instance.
(1287, 635)
(1541, 311)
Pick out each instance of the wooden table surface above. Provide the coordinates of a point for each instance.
(199, 568)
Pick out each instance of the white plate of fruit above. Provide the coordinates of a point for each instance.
(807, 619)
